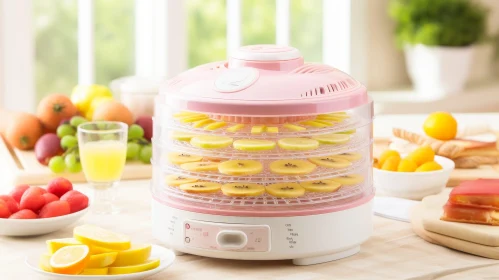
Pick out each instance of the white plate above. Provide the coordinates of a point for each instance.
(31, 227)
(166, 256)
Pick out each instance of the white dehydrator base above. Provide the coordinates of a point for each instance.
(306, 240)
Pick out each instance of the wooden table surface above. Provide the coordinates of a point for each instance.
(393, 251)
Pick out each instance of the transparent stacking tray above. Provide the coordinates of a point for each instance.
(353, 125)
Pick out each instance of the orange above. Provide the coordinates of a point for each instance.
(70, 259)
(441, 126)
(407, 165)
(391, 163)
(385, 155)
(422, 155)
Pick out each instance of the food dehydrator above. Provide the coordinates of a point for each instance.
(263, 157)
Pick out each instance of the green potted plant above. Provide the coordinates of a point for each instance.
(437, 37)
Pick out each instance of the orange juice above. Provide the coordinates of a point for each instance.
(103, 161)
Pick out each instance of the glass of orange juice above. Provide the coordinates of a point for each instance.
(103, 146)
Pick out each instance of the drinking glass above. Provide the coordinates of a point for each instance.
(103, 146)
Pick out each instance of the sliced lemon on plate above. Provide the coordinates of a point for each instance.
(55, 244)
(70, 259)
(95, 271)
(148, 265)
(101, 260)
(137, 254)
(95, 236)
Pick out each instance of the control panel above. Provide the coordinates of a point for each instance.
(226, 237)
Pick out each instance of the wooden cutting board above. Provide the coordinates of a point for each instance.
(458, 175)
(482, 234)
(25, 169)
(417, 215)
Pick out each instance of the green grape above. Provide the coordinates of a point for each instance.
(56, 164)
(102, 126)
(68, 141)
(70, 159)
(132, 150)
(146, 154)
(64, 130)
(135, 131)
(109, 136)
(75, 167)
(77, 120)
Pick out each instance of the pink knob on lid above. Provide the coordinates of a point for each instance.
(267, 57)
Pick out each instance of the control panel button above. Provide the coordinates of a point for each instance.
(236, 79)
(231, 239)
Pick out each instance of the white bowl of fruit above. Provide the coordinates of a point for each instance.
(411, 176)
(32, 210)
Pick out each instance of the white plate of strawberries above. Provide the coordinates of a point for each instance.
(32, 210)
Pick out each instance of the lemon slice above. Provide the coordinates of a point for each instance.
(177, 180)
(180, 158)
(240, 167)
(313, 124)
(182, 136)
(243, 189)
(330, 162)
(95, 236)
(201, 187)
(326, 123)
(133, 256)
(272, 129)
(291, 167)
(321, 186)
(298, 144)
(332, 138)
(200, 166)
(285, 190)
(192, 119)
(351, 131)
(148, 265)
(202, 123)
(55, 244)
(215, 126)
(350, 179)
(44, 263)
(235, 128)
(258, 129)
(253, 145)
(70, 259)
(211, 142)
(95, 271)
(101, 260)
(184, 114)
(294, 127)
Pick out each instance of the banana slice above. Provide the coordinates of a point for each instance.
(201, 187)
(258, 129)
(351, 131)
(294, 127)
(211, 142)
(350, 156)
(298, 144)
(350, 179)
(235, 128)
(177, 180)
(215, 126)
(180, 158)
(200, 166)
(291, 167)
(330, 162)
(202, 123)
(272, 129)
(324, 122)
(321, 186)
(332, 138)
(186, 114)
(241, 167)
(253, 145)
(182, 136)
(313, 124)
(286, 190)
(331, 118)
(243, 189)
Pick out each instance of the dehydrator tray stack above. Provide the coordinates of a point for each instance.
(259, 162)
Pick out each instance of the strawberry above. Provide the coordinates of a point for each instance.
(4, 210)
(55, 209)
(18, 191)
(77, 201)
(11, 203)
(32, 199)
(24, 214)
(49, 197)
(59, 186)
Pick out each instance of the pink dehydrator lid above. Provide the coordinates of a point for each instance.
(264, 80)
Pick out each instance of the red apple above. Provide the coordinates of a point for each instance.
(48, 146)
(146, 123)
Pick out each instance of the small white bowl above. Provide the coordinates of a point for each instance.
(413, 185)
(32, 227)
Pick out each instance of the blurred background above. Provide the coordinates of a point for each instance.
(49, 46)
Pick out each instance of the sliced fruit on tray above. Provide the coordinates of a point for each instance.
(298, 144)
(243, 189)
(253, 145)
(291, 167)
(201, 187)
(241, 167)
(285, 190)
